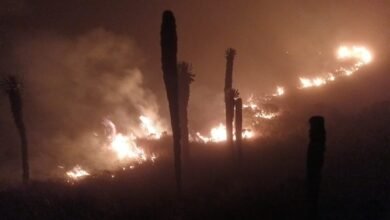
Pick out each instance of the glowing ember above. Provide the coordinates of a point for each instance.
(77, 173)
(250, 103)
(153, 157)
(306, 83)
(265, 115)
(331, 77)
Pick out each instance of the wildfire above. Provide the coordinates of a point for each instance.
(331, 77)
(150, 126)
(77, 173)
(306, 82)
(250, 104)
(359, 53)
(265, 115)
(218, 134)
(259, 112)
(362, 56)
(125, 146)
(279, 91)
(247, 134)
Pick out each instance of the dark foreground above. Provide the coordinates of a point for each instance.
(268, 185)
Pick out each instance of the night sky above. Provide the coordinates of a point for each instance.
(275, 40)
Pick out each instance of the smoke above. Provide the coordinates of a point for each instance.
(71, 84)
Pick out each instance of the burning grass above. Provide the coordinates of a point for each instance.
(269, 184)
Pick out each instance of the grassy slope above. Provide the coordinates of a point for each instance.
(268, 185)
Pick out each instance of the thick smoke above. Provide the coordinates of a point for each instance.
(70, 86)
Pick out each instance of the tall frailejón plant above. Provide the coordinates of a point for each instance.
(238, 127)
(12, 88)
(229, 99)
(315, 160)
(169, 67)
(185, 79)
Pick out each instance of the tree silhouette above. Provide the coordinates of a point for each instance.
(315, 160)
(12, 87)
(185, 79)
(229, 99)
(169, 68)
(238, 127)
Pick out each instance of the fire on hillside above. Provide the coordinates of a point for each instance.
(127, 150)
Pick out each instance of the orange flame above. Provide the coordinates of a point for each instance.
(359, 53)
(153, 131)
(77, 173)
(279, 91)
(125, 146)
(218, 134)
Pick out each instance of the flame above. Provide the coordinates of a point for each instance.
(202, 138)
(359, 53)
(247, 134)
(265, 115)
(261, 113)
(331, 77)
(279, 91)
(125, 146)
(252, 106)
(150, 126)
(318, 81)
(77, 173)
(250, 103)
(126, 149)
(218, 134)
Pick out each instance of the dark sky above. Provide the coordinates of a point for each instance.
(80, 59)
(261, 31)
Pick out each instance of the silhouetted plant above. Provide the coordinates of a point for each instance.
(229, 99)
(169, 67)
(238, 127)
(185, 79)
(315, 160)
(12, 87)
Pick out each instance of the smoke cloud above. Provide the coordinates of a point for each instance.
(70, 86)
